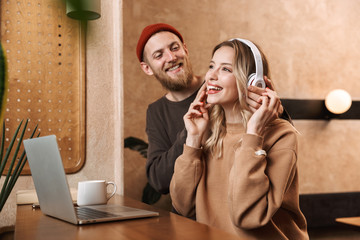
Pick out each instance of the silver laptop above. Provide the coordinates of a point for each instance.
(53, 190)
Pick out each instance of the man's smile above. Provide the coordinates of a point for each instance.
(173, 68)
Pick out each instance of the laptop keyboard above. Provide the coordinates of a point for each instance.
(85, 213)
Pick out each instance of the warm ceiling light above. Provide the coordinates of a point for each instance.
(338, 101)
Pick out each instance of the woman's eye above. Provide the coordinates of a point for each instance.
(227, 69)
(211, 66)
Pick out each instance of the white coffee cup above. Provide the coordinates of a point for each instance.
(94, 192)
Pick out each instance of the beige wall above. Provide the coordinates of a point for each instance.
(312, 49)
(104, 154)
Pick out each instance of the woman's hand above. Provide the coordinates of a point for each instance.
(267, 112)
(196, 120)
(254, 94)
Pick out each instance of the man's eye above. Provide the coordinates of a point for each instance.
(175, 48)
(157, 56)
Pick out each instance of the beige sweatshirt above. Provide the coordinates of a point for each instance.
(251, 195)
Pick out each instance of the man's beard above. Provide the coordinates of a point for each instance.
(179, 83)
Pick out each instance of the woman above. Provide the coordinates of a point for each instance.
(238, 170)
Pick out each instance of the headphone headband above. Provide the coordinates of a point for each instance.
(259, 76)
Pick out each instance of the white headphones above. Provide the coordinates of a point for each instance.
(254, 79)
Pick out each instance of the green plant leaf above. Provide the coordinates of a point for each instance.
(16, 173)
(8, 151)
(2, 147)
(3, 94)
(3, 83)
(3, 193)
(19, 166)
(11, 175)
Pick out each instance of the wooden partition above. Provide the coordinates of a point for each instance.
(46, 74)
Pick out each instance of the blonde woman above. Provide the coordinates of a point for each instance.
(238, 170)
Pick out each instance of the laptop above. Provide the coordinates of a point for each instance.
(53, 190)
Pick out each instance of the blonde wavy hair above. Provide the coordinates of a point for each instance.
(243, 66)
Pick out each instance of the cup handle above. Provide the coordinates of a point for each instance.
(114, 191)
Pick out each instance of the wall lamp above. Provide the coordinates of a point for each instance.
(337, 105)
(83, 9)
(338, 101)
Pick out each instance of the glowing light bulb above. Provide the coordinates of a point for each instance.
(338, 101)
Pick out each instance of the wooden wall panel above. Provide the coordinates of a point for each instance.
(46, 70)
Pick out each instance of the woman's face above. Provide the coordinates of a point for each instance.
(220, 80)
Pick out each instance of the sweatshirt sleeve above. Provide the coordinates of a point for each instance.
(161, 154)
(257, 182)
(186, 177)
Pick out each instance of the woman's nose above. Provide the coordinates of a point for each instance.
(212, 75)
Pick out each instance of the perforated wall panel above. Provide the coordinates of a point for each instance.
(45, 57)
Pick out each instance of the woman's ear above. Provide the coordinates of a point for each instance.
(146, 68)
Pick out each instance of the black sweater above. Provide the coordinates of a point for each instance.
(166, 135)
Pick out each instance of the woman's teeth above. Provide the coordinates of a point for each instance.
(214, 88)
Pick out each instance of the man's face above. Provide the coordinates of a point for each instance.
(168, 61)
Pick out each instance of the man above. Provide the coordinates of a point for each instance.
(162, 53)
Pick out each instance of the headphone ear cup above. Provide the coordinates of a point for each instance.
(251, 79)
(260, 83)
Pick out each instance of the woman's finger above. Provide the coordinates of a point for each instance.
(268, 83)
(201, 93)
(278, 106)
(255, 90)
(196, 105)
(253, 109)
(253, 100)
(274, 99)
(205, 113)
(275, 103)
(254, 96)
(193, 114)
(264, 101)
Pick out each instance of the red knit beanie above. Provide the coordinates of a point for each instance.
(151, 30)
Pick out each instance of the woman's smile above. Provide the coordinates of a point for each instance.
(213, 89)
